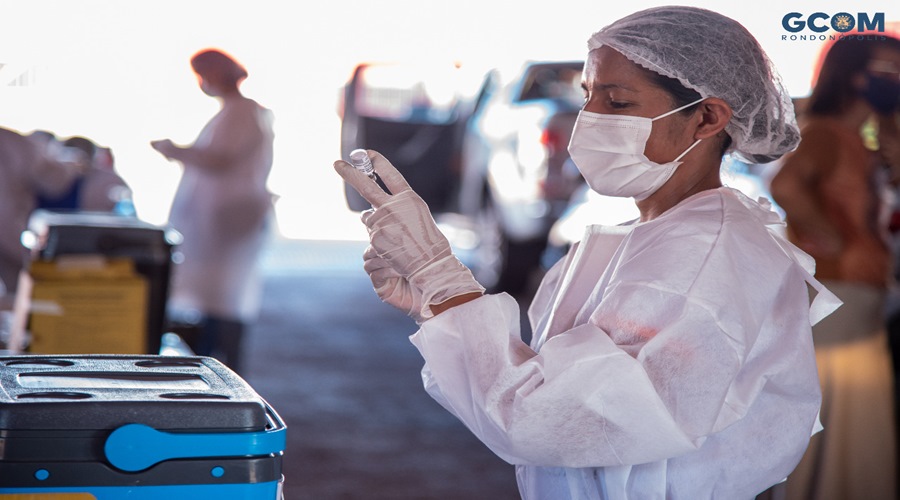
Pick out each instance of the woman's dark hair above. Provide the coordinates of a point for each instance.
(682, 96)
(846, 59)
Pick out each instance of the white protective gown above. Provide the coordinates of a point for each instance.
(222, 210)
(670, 359)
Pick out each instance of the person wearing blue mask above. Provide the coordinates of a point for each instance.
(672, 356)
(833, 192)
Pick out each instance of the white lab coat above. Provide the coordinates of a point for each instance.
(221, 210)
(671, 359)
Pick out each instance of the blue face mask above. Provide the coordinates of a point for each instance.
(883, 94)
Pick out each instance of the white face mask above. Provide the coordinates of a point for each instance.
(609, 152)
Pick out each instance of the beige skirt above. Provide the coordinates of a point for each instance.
(855, 456)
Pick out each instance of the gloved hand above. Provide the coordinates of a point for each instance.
(391, 287)
(403, 233)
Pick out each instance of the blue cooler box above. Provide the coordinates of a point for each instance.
(134, 427)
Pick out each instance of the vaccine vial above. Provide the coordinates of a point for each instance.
(360, 161)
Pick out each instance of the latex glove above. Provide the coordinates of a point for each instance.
(391, 287)
(404, 234)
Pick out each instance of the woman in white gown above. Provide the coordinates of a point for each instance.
(221, 208)
(672, 357)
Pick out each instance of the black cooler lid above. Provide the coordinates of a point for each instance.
(104, 392)
(52, 234)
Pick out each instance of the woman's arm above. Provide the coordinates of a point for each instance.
(581, 402)
(795, 187)
(655, 371)
(235, 130)
(453, 302)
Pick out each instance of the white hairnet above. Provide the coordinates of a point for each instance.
(717, 57)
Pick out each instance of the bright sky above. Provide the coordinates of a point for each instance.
(117, 71)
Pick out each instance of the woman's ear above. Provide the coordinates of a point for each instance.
(714, 116)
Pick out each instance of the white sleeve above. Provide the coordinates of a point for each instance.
(582, 402)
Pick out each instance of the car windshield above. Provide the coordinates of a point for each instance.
(553, 82)
(408, 93)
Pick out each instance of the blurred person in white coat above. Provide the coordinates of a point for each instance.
(30, 166)
(221, 207)
(672, 357)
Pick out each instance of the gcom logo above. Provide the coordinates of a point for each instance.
(841, 22)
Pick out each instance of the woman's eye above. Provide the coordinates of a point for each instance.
(617, 104)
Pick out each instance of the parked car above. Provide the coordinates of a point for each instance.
(414, 115)
(514, 183)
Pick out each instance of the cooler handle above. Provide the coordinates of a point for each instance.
(135, 447)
